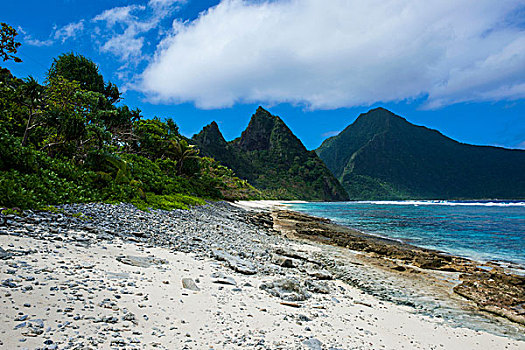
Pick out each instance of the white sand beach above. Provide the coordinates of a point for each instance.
(72, 289)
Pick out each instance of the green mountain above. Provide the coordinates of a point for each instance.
(270, 157)
(383, 156)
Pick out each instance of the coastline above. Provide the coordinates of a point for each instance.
(211, 277)
(491, 287)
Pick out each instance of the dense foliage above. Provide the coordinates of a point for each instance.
(382, 156)
(8, 44)
(273, 159)
(66, 141)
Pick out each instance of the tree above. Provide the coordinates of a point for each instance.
(12, 112)
(32, 95)
(154, 137)
(84, 71)
(183, 153)
(8, 45)
(70, 118)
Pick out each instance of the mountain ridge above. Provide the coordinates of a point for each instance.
(383, 156)
(272, 158)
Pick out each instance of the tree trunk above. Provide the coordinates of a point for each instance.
(26, 132)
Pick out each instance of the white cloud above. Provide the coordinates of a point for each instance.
(124, 45)
(164, 3)
(119, 15)
(126, 41)
(69, 31)
(129, 24)
(338, 53)
(28, 39)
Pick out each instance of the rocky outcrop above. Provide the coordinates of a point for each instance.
(497, 291)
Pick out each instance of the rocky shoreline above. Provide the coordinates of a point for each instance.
(217, 276)
(490, 286)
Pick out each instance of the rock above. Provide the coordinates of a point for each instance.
(9, 283)
(313, 344)
(284, 262)
(140, 261)
(37, 323)
(363, 303)
(236, 263)
(118, 342)
(220, 278)
(317, 287)
(130, 317)
(289, 289)
(304, 318)
(294, 255)
(109, 319)
(4, 254)
(188, 283)
(399, 268)
(320, 274)
(21, 325)
(496, 292)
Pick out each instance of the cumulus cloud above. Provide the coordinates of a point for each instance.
(340, 53)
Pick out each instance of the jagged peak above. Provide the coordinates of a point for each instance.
(261, 110)
(256, 136)
(210, 134)
(262, 129)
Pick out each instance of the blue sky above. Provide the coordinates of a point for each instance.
(454, 66)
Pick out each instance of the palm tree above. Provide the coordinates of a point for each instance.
(32, 93)
(181, 152)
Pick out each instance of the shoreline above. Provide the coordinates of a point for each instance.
(511, 266)
(494, 289)
(211, 277)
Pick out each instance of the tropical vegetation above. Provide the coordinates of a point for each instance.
(70, 139)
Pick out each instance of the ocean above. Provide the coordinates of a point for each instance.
(483, 231)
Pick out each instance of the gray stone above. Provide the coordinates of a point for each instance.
(284, 261)
(313, 344)
(220, 278)
(320, 274)
(188, 283)
(289, 289)
(9, 283)
(236, 263)
(317, 287)
(4, 254)
(140, 261)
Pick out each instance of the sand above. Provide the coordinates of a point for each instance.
(84, 297)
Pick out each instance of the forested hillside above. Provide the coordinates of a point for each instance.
(383, 156)
(273, 159)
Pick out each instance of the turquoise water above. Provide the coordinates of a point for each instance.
(484, 231)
